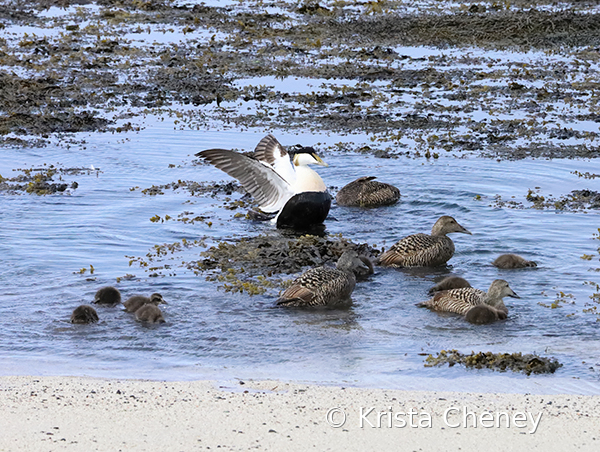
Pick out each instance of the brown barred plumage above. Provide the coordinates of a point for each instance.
(322, 286)
(319, 287)
(366, 192)
(462, 300)
(422, 250)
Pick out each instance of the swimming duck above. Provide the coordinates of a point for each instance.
(449, 282)
(108, 295)
(461, 300)
(367, 192)
(137, 301)
(322, 286)
(295, 192)
(512, 261)
(483, 314)
(84, 314)
(422, 250)
(149, 313)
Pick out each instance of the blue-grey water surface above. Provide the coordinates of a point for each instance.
(379, 341)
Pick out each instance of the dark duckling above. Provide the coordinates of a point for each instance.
(84, 314)
(422, 250)
(137, 301)
(149, 313)
(108, 296)
(483, 314)
(506, 261)
(449, 282)
(323, 286)
(367, 192)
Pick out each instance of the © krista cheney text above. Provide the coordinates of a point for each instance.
(453, 417)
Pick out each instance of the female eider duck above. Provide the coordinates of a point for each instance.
(506, 261)
(296, 193)
(323, 286)
(84, 314)
(367, 192)
(149, 313)
(422, 250)
(137, 301)
(108, 296)
(460, 301)
(449, 282)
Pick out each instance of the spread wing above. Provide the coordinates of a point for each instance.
(271, 152)
(269, 189)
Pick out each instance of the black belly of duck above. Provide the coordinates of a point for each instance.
(305, 210)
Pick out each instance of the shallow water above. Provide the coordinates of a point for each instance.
(379, 341)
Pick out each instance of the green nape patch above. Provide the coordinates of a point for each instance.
(517, 362)
(250, 264)
(41, 181)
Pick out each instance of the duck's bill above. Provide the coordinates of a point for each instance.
(319, 160)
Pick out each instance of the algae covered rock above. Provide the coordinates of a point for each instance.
(517, 362)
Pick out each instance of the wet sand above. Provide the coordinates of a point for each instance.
(72, 413)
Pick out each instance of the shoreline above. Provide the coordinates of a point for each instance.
(80, 413)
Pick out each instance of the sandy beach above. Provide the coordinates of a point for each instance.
(73, 413)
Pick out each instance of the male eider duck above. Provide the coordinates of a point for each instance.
(422, 250)
(461, 300)
(506, 261)
(323, 286)
(84, 314)
(296, 193)
(449, 282)
(149, 313)
(108, 296)
(483, 314)
(137, 301)
(367, 192)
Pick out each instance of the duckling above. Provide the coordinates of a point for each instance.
(322, 286)
(137, 301)
(483, 314)
(512, 261)
(361, 273)
(422, 250)
(366, 192)
(108, 295)
(461, 300)
(449, 282)
(149, 313)
(84, 314)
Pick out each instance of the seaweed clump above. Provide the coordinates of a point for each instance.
(39, 181)
(195, 188)
(517, 362)
(247, 264)
(269, 255)
(577, 200)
